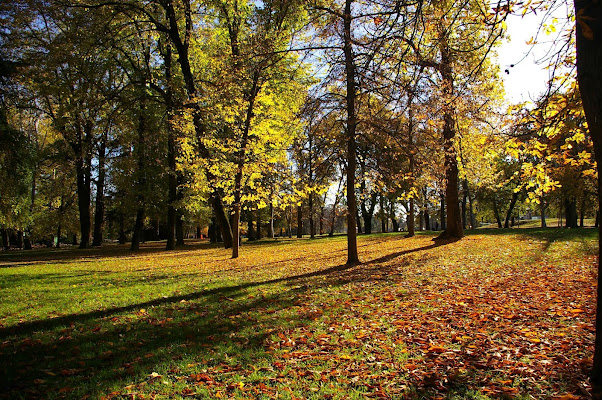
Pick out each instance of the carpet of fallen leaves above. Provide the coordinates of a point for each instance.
(494, 315)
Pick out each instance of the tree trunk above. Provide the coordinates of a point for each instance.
(442, 213)
(235, 228)
(138, 231)
(250, 231)
(452, 227)
(322, 219)
(122, 239)
(350, 95)
(222, 220)
(359, 222)
(58, 235)
(99, 214)
(582, 212)
(271, 231)
(172, 177)
(312, 228)
(427, 220)
(368, 213)
(473, 222)
(542, 205)
(299, 221)
(589, 75)
(141, 182)
(464, 201)
(312, 225)
(383, 218)
(510, 210)
(496, 213)
(5, 240)
(411, 221)
(83, 201)
(392, 216)
(182, 48)
(289, 220)
(258, 224)
(213, 230)
(570, 207)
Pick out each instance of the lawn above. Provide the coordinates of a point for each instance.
(498, 314)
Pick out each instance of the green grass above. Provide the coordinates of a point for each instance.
(500, 313)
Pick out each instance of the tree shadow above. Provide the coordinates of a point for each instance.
(93, 254)
(86, 353)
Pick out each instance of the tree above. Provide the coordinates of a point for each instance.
(589, 75)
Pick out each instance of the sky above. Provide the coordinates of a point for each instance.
(528, 77)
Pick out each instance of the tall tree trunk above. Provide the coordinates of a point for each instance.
(5, 240)
(141, 182)
(271, 232)
(172, 178)
(236, 228)
(83, 201)
(589, 75)
(213, 230)
(299, 221)
(473, 222)
(383, 218)
(99, 214)
(250, 231)
(241, 154)
(350, 96)
(442, 213)
(368, 213)
(570, 206)
(289, 220)
(182, 47)
(258, 224)
(20, 239)
(138, 229)
(58, 234)
(452, 228)
(392, 215)
(464, 203)
(122, 239)
(411, 219)
(542, 207)
(582, 212)
(510, 210)
(359, 223)
(496, 213)
(223, 222)
(321, 219)
(411, 211)
(312, 228)
(82, 170)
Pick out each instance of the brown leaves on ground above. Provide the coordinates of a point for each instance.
(470, 316)
(489, 316)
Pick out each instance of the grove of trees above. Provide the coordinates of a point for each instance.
(143, 120)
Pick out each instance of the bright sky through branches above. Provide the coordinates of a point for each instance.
(528, 77)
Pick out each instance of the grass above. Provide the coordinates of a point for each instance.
(500, 313)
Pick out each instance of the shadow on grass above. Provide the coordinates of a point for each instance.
(20, 258)
(547, 235)
(84, 354)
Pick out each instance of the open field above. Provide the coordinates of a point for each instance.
(498, 314)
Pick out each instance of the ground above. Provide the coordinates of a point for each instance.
(500, 313)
